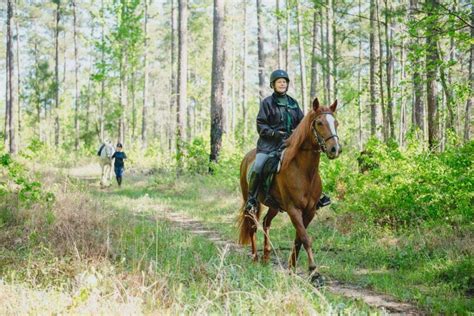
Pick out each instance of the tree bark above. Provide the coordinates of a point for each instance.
(279, 48)
(244, 72)
(418, 108)
(102, 83)
(470, 99)
(328, 50)
(323, 54)
(56, 74)
(302, 57)
(334, 49)
(10, 92)
(288, 38)
(385, 127)
(76, 79)
(173, 94)
(372, 60)
(182, 76)
(314, 61)
(18, 88)
(145, 79)
(217, 85)
(389, 69)
(431, 84)
(359, 79)
(261, 55)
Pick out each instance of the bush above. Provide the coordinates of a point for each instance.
(406, 187)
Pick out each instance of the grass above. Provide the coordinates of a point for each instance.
(431, 266)
(106, 253)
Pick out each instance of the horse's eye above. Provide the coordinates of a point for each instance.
(319, 123)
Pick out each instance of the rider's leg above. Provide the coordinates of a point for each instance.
(255, 180)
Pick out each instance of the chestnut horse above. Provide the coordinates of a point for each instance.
(297, 187)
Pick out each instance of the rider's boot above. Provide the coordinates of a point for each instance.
(251, 205)
(324, 200)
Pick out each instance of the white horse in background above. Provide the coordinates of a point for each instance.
(105, 160)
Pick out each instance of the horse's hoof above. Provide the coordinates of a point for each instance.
(317, 279)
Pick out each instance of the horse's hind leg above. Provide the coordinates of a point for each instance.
(267, 221)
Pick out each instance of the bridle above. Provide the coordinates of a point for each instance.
(318, 138)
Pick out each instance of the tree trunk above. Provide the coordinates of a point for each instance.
(261, 55)
(302, 56)
(389, 70)
(10, 92)
(76, 79)
(327, 45)
(217, 85)
(470, 99)
(314, 61)
(18, 88)
(288, 38)
(244, 72)
(279, 48)
(182, 78)
(385, 127)
(172, 106)
(102, 83)
(359, 79)
(323, 53)
(145, 79)
(372, 84)
(56, 75)
(334, 49)
(431, 84)
(403, 114)
(418, 112)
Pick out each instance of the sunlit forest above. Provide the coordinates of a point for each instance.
(179, 84)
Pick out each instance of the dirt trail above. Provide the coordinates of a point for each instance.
(384, 302)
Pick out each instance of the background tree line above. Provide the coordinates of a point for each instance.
(159, 74)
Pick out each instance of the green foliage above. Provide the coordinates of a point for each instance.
(18, 189)
(408, 187)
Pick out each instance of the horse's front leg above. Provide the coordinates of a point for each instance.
(302, 237)
(267, 221)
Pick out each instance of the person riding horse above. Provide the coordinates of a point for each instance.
(278, 116)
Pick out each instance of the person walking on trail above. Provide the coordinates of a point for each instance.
(278, 116)
(119, 165)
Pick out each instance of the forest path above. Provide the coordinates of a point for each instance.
(156, 211)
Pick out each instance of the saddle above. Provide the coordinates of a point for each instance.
(270, 169)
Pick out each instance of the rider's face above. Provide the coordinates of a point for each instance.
(280, 85)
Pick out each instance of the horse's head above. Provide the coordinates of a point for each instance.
(324, 129)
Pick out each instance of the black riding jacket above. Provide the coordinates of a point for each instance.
(273, 118)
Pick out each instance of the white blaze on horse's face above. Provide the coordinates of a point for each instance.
(333, 149)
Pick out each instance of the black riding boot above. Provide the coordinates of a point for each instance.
(119, 181)
(324, 200)
(253, 191)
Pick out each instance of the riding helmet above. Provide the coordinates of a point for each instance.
(277, 74)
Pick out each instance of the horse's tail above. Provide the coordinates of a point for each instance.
(247, 223)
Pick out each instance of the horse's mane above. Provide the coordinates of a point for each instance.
(294, 142)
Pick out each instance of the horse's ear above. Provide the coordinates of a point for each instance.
(333, 106)
(315, 104)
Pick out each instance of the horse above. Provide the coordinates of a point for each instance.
(297, 186)
(105, 160)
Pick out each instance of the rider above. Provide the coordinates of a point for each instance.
(278, 116)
